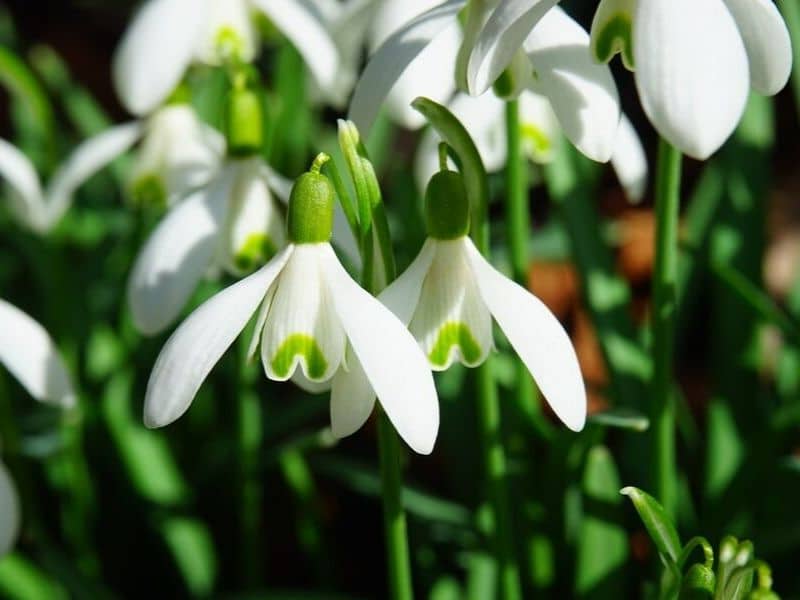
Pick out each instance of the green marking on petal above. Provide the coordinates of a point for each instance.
(539, 144)
(305, 346)
(229, 44)
(257, 249)
(616, 36)
(455, 334)
(149, 190)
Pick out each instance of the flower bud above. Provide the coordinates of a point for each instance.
(244, 121)
(698, 584)
(310, 218)
(446, 206)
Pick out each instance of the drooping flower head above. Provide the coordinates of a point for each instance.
(315, 325)
(695, 61)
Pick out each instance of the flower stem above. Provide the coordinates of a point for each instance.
(668, 179)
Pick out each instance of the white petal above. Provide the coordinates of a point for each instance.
(228, 33)
(156, 50)
(451, 322)
(612, 31)
(537, 337)
(402, 295)
(305, 384)
(296, 20)
(9, 512)
(501, 37)
(86, 160)
(393, 57)
(691, 72)
(31, 356)
(200, 341)
(352, 398)
(26, 190)
(392, 361)
(302, 328)
(254, 230)
(282, 186)
(583, 93)
(541, 131)
(767, 42)
(175, 257)
(178, 150)
(629, 161)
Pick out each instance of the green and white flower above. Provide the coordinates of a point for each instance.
(167, 36)
(314, 324)
(695, 61)
(450, 295)
(545, 49)
(231, 223)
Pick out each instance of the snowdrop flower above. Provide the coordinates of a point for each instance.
(545, 48)
(449, 296)
(695, 61)
(9, 512)
(178, 153)
(166, 36)
(312, 316)
(31, 356)
(484, 118)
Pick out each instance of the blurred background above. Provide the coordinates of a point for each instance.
(247, 497)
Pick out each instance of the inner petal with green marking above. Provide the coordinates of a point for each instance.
(615, 36)
(296, 348)
(455, 340)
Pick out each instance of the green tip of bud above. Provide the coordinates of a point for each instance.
(310, 216)
(446, 206)
(244, 120)
(149, 190)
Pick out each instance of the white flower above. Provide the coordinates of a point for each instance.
(178, 153)
(31, 356)
(695, 61)
(312, 315)
(166, 36)
(484, 118)
(231, 223)
(546, 49)
(9, 512)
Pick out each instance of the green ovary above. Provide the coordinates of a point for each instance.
(455, 334)
(149, 190)
(616, 37)
(305, 346)
(257, 249)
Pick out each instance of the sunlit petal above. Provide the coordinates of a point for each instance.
(402, 295)
(25, 187)
(629, 161)
(352, 398)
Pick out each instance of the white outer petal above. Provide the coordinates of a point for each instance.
(156, 50)
(393, 58)
(30, 355)
(537, 337)
(296, 20)
(21, 176)
(392, 361)
(402, 295)
(352, 398)
(196, 346)
(630, 161)
(582, 93)
(501, 37)
(9, 512)
(175, 257)
(691, 72)
(86, 160)
(767, 42)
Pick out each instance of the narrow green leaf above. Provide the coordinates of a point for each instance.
(20, 579)
(623, 418)
(658, 524)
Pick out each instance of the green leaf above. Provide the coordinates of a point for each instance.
(21, 580)
(658, 524)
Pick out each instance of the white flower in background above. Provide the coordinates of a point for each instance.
(449, 296)
(312, 314)
(9, 512)
(232, 223)
(484, 118)
(695, 61)
(167, 36)
(545, 48)
(31, 356)
(178, 153)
